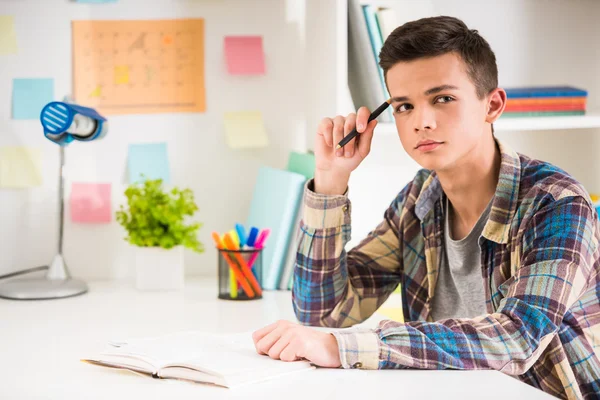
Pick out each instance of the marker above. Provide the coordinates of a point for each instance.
(238, 275)
(259, 245)
(239, 228)
(231, 245)
(252, 236)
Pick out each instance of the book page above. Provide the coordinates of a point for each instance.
(222, 355)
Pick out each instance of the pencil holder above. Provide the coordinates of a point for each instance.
(240, 274)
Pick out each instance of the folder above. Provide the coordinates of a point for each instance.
(275, 201)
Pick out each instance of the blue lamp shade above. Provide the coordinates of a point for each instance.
(57, 119)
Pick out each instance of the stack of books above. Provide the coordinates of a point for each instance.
(545, 101)
(368, 27)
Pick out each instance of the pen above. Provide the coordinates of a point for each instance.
(373, 115)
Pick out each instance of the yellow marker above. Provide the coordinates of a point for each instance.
(233, 285)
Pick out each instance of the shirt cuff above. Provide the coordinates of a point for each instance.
(323, 211)
(358, 348)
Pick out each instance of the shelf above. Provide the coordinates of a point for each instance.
(591, 120)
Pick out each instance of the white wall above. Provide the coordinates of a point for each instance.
(535, 41)
(222, 179)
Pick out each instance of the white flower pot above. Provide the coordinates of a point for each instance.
(159, 269)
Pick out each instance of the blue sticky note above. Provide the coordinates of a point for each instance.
(30, 96)
(148, 159)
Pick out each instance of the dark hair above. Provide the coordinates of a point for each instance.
(435, 36)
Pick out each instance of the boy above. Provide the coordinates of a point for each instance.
(496, 254)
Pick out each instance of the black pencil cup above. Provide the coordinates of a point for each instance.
(240, 274)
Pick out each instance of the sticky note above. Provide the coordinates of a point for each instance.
(245, 55)
(245, 129)
(393, 313)
(8, 36)
(20, 167)
(121, 74)
(150, 160)
(302, 163)
(90, 202)
(30, 96)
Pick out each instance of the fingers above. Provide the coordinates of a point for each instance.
(362, 119)
(288, 353)
(338, 133)
(281, 343)
(364, 142)
(262, 332)
(264, 345)
(325, 129)
(348, 127)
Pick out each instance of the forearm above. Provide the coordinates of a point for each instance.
(332, 287)
(509, 341)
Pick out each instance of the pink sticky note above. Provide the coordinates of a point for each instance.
(245, 55)
(90, 202)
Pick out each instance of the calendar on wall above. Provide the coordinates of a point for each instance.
(139, 67)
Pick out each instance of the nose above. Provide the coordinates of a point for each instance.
(424, 119)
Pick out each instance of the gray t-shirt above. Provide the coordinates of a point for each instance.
(459, 290)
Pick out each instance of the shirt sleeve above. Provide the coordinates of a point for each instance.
(559, 255)
(336, 288)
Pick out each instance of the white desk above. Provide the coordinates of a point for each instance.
(42, 342)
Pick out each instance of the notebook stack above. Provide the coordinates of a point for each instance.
(277, 205)
(545, 101)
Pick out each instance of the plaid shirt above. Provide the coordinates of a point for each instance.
(540, 264)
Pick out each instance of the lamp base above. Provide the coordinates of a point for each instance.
(56, 285)
(42, 289)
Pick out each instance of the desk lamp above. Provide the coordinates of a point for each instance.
(63, 122)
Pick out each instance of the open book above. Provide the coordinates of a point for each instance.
(224, 360)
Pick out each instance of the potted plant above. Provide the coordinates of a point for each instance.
(155, 223)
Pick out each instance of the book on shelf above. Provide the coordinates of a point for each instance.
(545, 101)
(387, 21)
(228, 360)
(364, 75)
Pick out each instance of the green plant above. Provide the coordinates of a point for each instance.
(155, 218)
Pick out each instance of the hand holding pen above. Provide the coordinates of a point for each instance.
(340, 146)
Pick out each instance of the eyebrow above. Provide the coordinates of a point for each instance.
(428, 92)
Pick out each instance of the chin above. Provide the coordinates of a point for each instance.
(429, 162)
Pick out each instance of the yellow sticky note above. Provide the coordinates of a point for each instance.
(8, 37)
(121, 74)
(393, 313)
(245, 129)
(20, 167)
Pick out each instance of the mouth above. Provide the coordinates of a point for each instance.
(428, 145)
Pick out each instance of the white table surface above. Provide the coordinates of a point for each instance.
(42, 343)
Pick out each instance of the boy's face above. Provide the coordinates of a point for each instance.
(434, 100)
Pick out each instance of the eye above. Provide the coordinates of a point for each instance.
(446, 99)
(403, 107)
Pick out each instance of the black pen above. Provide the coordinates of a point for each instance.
(373, 115)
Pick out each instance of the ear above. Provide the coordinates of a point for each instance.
(496, 101)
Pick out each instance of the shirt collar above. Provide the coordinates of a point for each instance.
(504, 203)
